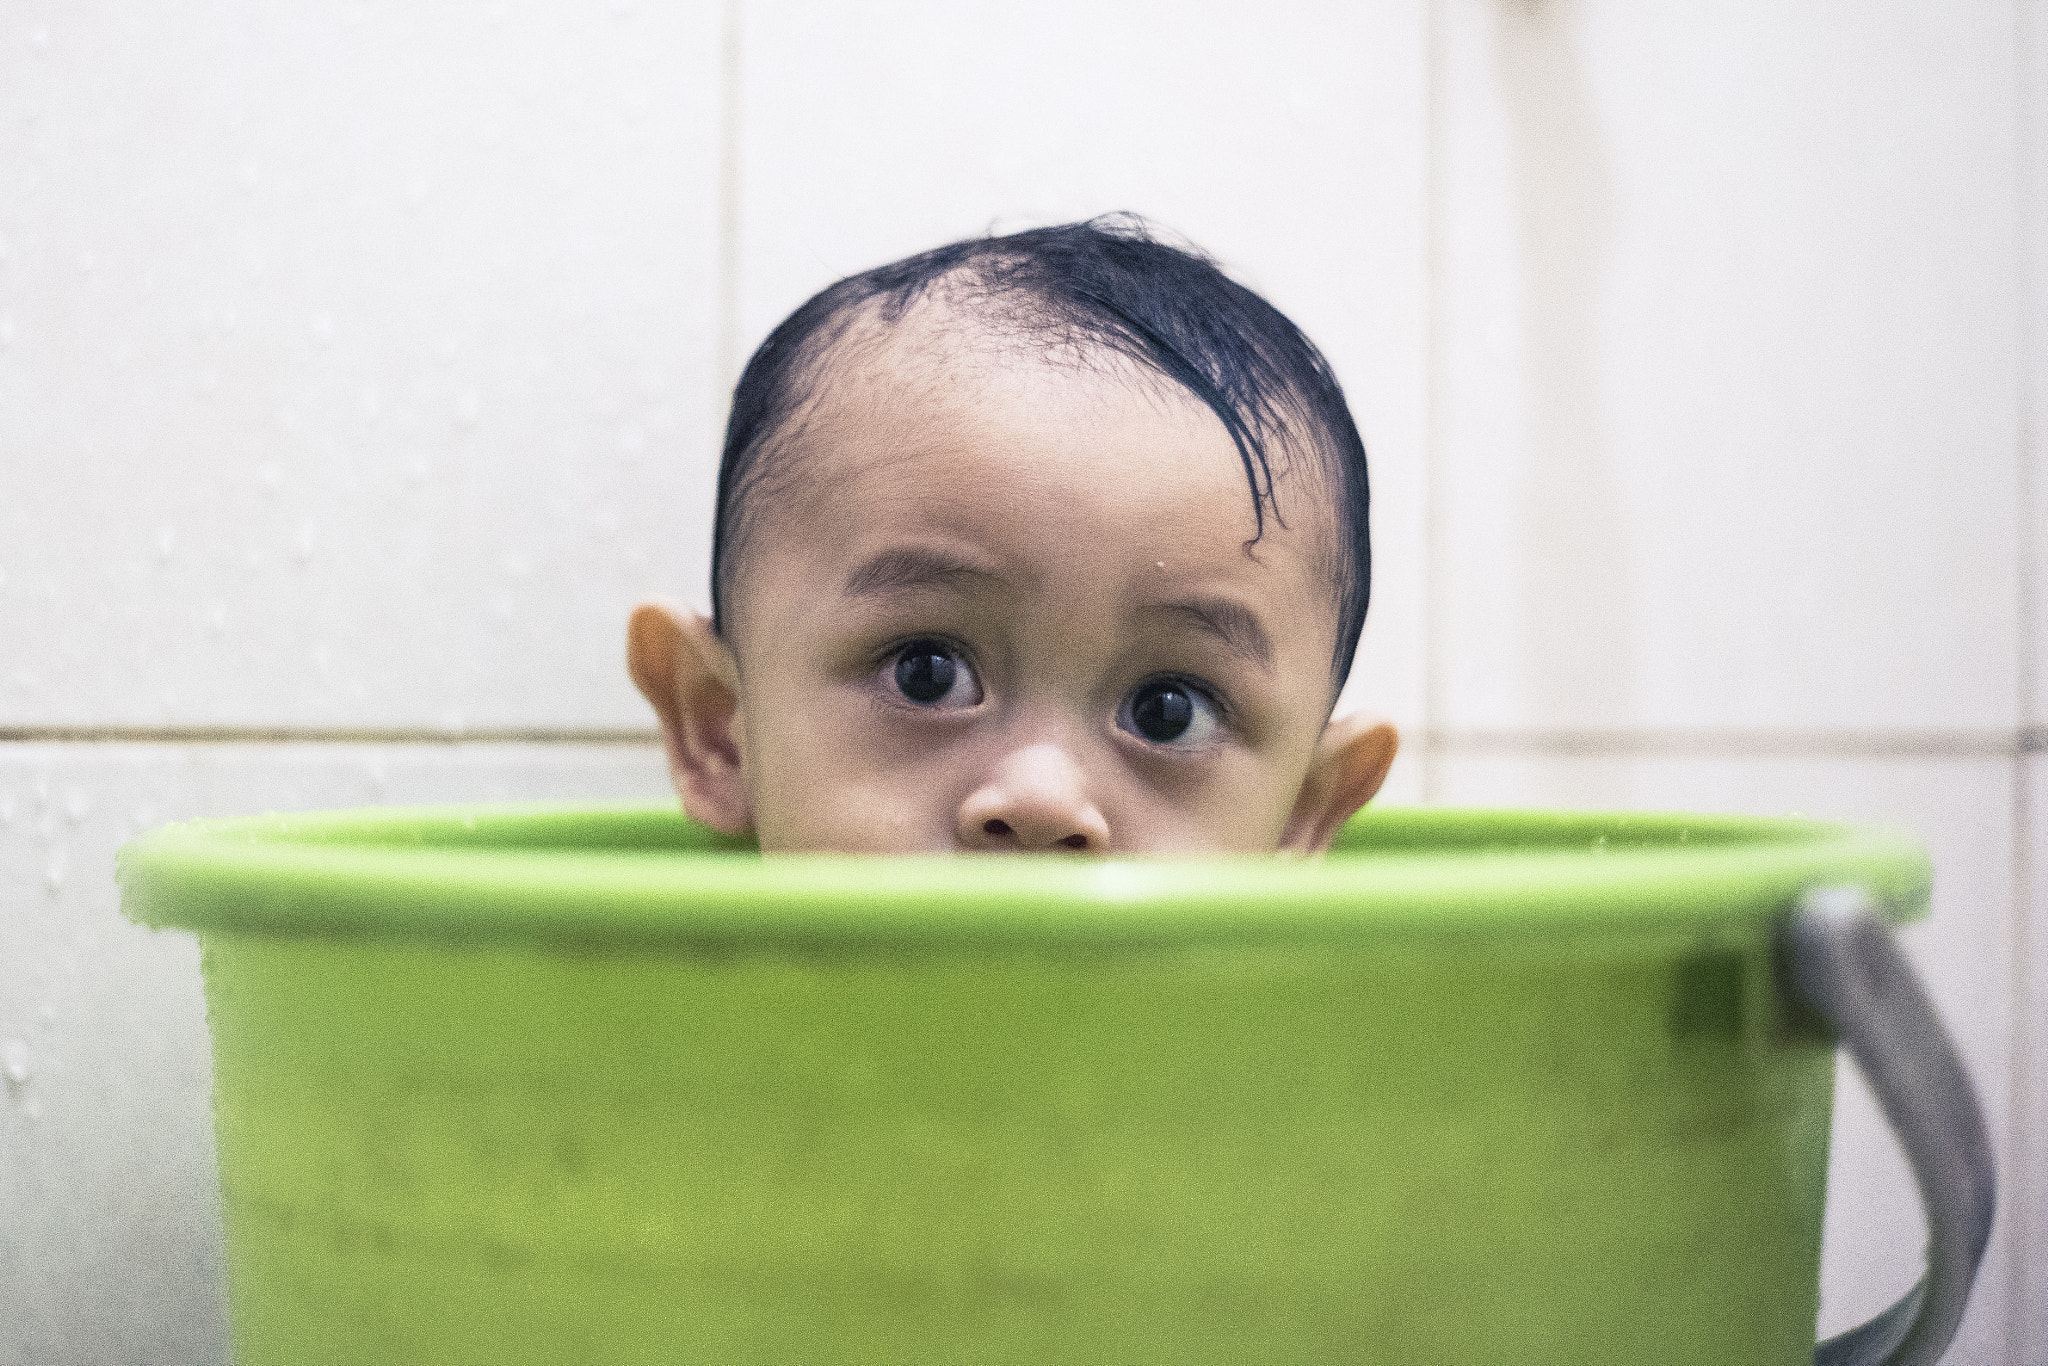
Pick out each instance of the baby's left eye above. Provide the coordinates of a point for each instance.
(1167, 711)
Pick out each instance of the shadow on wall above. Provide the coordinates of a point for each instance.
(1577, 647)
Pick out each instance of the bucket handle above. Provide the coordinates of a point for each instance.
(1844, 964)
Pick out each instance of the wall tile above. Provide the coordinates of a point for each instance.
(1963, 810)
(1730, 358)
(355, 361)
(2033, 33)
(1286, 139)
(110, 1245)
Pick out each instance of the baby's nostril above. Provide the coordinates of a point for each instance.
(995, 827)
(1075, 841)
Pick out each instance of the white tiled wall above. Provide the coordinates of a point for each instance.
(361, 363)
(1730, 375)
(358, 359)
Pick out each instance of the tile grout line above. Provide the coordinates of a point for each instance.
(1432, 389)
(329, 735)
(2021, 1099)
(728, 323)
(2030, 37)
(1679, 742)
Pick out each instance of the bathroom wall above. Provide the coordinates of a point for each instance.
(361, 364)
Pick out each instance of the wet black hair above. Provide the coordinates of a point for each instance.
(1108, 284)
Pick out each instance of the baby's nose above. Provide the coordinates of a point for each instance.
(1036, 800)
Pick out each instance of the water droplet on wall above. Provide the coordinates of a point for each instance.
(57, 869)
(77, 803)
(16, 1063)
(166, 542)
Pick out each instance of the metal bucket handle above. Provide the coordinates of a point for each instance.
(1843, 963)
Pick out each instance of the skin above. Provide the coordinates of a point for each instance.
(1073, 541)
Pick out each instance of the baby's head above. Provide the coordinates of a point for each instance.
(1049, 542)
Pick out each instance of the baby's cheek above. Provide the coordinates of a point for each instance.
(833, 812)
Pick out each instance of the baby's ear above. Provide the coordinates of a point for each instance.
(1350, 763)
(690, 677)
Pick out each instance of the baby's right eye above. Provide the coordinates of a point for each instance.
(931, 673)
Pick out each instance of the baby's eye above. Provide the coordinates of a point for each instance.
(931, 672)
(1167, 711)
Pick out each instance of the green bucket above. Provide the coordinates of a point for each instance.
(595, 1086)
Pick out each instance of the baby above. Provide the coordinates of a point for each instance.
(1048, 542)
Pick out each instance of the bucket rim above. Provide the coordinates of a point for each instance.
(607, 873)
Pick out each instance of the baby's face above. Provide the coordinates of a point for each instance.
(1011, 608)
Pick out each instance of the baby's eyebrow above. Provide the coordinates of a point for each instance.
(910, 567)
(1232, 623)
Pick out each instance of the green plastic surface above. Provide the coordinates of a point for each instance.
(516, 1085)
